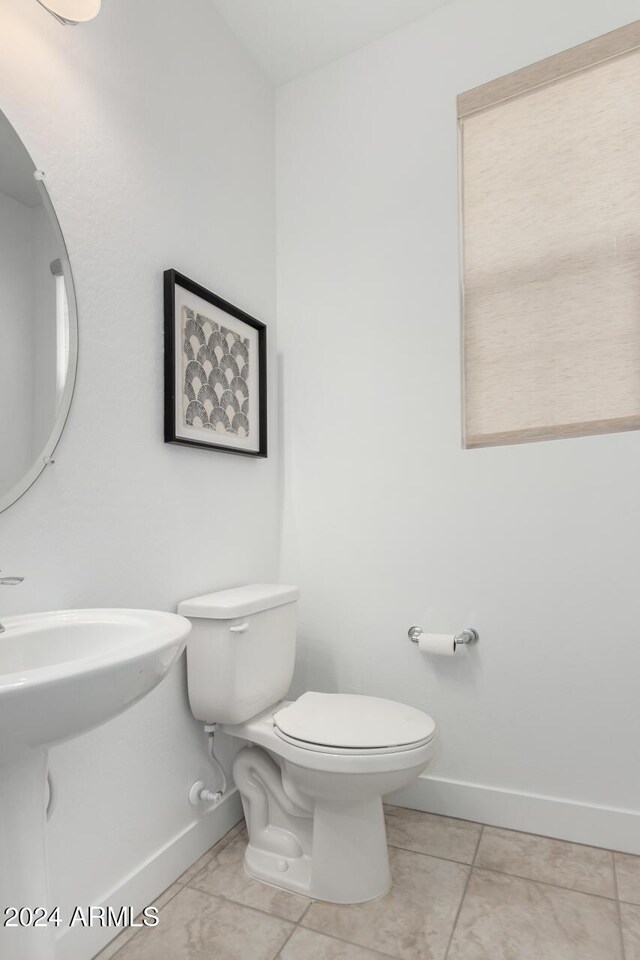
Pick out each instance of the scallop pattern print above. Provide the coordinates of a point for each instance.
(216, 376)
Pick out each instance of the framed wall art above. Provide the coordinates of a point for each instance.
(215, 371)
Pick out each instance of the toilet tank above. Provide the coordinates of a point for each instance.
(241, 650)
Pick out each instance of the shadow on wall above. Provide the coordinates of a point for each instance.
(315, 668)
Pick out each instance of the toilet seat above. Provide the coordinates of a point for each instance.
(262, 731)
(341, 723)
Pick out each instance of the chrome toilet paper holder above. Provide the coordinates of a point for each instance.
(468, 635)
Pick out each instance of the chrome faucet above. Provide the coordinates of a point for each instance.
(9, 582)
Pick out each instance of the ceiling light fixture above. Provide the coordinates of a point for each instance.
(71, 12)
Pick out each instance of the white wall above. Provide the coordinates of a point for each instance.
(156, 135)
(389, 522)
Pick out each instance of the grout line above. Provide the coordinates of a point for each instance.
(306, 911)
(464, 893)
(545, 883)
(279, 953)
(435, 856)
(538, 836)
(480, 836)
(247, 906)
(180, 887)
(623, 952)
(351, 943)
(459, 910)
(463, 863)
(389, 807)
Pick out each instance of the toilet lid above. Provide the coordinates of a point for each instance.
(345, 720)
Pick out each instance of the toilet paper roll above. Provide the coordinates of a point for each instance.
(443, 644)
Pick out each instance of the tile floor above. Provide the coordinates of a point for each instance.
(461, 891)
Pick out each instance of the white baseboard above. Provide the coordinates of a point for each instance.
(598, 826)
(151, 878)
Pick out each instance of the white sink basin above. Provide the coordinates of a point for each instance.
(65, 672)
(62, 674)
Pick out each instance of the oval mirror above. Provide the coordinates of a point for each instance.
(38, 325)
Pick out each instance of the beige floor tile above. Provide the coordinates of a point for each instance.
(572, 865)
(225, 876)
(116, 944)
(196, 926)
(507, 918)
(628, 876)
(307, 945)
(112, 948)
(631, 930)
(413, 921)
(201, 863)
(427, 833)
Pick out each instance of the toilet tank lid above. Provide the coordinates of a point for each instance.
(239, 601)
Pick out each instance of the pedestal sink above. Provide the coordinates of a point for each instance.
(60, 675)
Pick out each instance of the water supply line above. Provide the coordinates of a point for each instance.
(201, 794)
(210, 729)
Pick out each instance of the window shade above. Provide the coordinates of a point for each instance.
(551, 246)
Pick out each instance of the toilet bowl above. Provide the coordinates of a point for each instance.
(314, 770)
(329, 842)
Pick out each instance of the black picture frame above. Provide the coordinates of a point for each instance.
(174, 280)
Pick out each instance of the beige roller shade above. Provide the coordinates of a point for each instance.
(551, 246)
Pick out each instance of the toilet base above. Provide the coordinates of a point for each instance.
(349, 861)
(293, 874)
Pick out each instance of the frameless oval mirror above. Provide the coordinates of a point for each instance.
(38, 325)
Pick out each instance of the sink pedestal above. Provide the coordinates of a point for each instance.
(61, 674)
(23, 857)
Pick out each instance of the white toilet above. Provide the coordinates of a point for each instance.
(314, 770)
